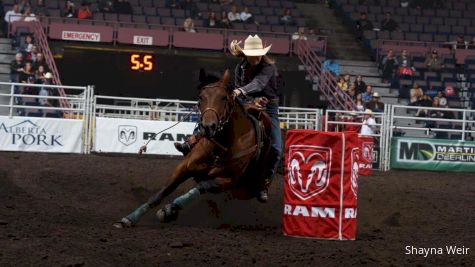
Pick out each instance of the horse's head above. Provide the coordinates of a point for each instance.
(215, 103)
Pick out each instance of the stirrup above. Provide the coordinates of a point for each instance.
(183, 147)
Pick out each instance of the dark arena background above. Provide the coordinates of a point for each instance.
(84, 85)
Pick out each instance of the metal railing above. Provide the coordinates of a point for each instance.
(326, 82)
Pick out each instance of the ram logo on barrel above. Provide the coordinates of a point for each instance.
(309, 170)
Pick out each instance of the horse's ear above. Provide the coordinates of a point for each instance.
(202, 75)
(226, 77)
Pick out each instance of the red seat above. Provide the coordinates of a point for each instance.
(198, 40)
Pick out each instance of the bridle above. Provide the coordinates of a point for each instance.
(222, 121)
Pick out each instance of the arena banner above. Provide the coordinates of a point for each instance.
(113, 135)
(321, 184)
(365, 144)
(30, 134)
(432, 154)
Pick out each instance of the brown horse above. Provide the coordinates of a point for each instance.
(230, 155)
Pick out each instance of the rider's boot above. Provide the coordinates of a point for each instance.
(262, 195)
(187, 146)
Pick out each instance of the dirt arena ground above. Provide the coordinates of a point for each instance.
(57, 210)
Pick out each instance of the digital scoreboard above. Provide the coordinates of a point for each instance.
(142, 62)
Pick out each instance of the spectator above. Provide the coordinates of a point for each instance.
(367, 96)
(416, 95)
(106, 6)
(369, 124)
(406, 68)
(22, 5)
(359, 103)
(189, 25)
(389, 64)
(27, 73)
(331, 66)
(32, 55)
(234, 15)
(388, 24)
(404, 3)
(69, 9)
(173, 4)
(28, 15)
(360, 85)
(84, 12)
(363, 24)
(246, 16)
(122, 7)
(40, 74)
(224, 22)
(426, 101)
(346, 79)
(192, 9)
(299, 35)
(27, 90)
(375, 104)
(45, 92)
(352, 92)
(27, 47)
(287, 18)
(342, 84)
(41, 9)
(442, 99)
(471, 45)
(40, 61)
(433, 62)
(16, 67)
(211, 21)
(460, 43)
(13, 15)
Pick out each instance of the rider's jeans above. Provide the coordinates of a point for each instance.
(276, 139)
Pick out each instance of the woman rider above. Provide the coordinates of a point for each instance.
(256, 76)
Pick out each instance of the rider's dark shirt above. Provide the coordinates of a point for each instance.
(258, 81)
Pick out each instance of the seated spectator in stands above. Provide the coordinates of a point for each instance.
(359, 103)
(16, 67)
(406, 68)
(352, 92)
(173, 4)
(299, 35)
(416, 95)
(369, 124)
(212, 21)
(122, 7)
(84, 11)
(13, 15)
(28, 15)
(44, 91)
(426, 101)
(32, 56)
(40, 74)
(234, 15)
(106, 6)
(388, 24)
(460, 43)
(189, 25)
(442, 100)
(191, 9)
(471, 44)
(342, 84)
(287, 18)
(375, 104)
(22, 5)
(367, 96)
(27, 47)
(40, 61)
(331, 66)
(389, 64)
(246, 16)
(363, 24)
(224, 22)
(41, 9)
(27, 72)
(69, 10)
(347, 80)
(433, 62)
(360, 85)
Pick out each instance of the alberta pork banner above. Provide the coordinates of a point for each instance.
(30, 134)
(113, 135)
(366, 155)
(321, 184)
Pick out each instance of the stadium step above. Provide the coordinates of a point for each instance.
(4, 100)
(4, 68)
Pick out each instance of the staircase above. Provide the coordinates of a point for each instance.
(342, 43)
(7, 54)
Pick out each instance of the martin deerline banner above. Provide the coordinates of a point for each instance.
(114, 135)
(432, 154)
(40, 134)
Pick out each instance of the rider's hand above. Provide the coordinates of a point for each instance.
(236, 92)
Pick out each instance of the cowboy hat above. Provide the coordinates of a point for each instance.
(253, 46)
(368, 112)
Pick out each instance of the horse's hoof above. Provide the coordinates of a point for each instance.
(168, 213)
(124, 223)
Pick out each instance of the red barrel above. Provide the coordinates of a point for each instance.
(321, 184)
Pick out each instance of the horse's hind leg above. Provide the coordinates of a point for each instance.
(178, 177)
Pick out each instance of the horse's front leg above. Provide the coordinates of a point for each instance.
(217, 185)
(181, 173)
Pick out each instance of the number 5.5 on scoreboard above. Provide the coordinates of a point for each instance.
(142, 62)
